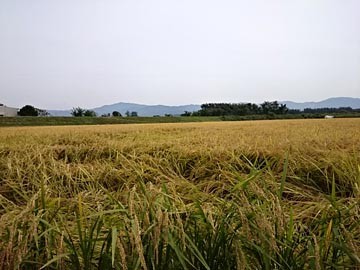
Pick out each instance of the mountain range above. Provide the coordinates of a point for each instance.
(150, 110)
(141, 109)
(335, 102)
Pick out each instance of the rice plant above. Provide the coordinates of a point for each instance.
(250, 195)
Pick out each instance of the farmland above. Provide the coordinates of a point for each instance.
(65, 121)
(280, 194)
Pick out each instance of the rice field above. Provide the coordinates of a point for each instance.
(281, 194)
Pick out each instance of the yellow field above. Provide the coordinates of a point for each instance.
(221, 195)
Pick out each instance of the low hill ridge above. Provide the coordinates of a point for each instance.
(150, 110)
(334, 102)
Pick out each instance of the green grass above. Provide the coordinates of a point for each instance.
(64, 121)
(222, 195)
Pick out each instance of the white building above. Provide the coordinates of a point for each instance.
(7, 111)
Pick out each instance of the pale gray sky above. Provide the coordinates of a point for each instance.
(63, 53)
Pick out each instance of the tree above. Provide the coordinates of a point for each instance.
(80, 112)
(273, 107)
(134, 114)
(90, 113)
(242, 109)
(283, 109)
(28, 110)
(77, 112)
(116, 114)
(127, 113)
(186, 113)
(42, 112)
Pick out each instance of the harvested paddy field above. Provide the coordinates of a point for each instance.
(281, 194)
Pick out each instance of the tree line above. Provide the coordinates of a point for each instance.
(29, 110)
(222, 109)
(265, 108)
(80, 112)
(325, 110)
(268, 108)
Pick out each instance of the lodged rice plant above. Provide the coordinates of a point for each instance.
(249, 195)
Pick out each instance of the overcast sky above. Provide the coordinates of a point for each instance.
(64, 53)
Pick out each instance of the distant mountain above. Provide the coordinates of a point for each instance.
(142, 110)
(150, 110)
(335, 102)
(59, 112)
(146, 110)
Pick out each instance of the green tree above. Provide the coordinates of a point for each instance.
(116, 114)
(42, 112)
(186, 113)
(28, 110)
(273, 107)
(90, 113)
(134, 114)
(283, 109)
(77, 112)
(127, 113)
